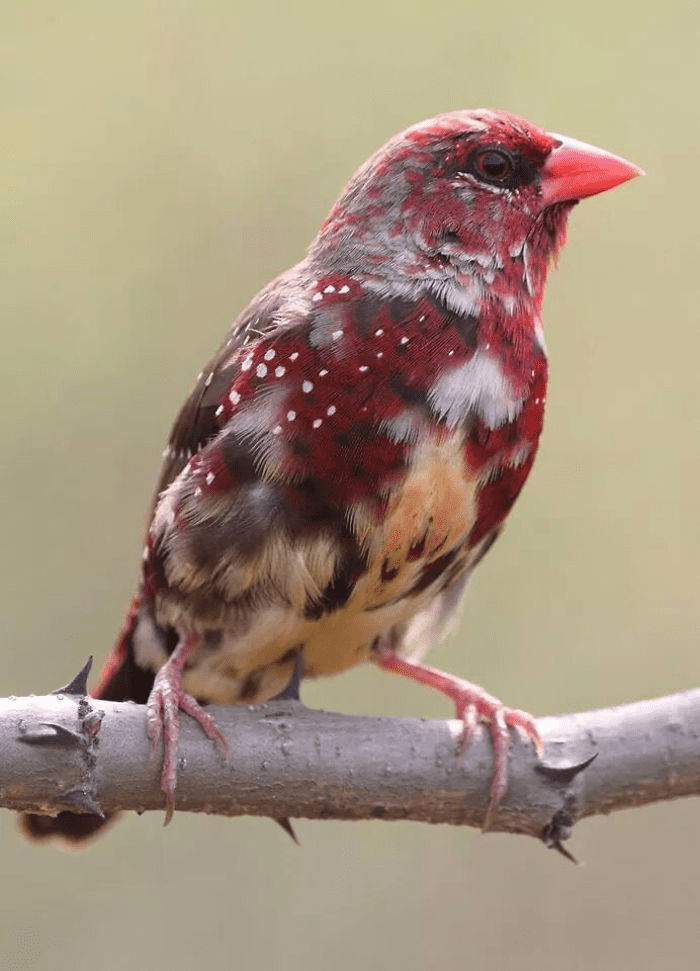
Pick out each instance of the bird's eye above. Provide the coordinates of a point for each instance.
(493, 165)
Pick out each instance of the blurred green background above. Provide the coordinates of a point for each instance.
(161, 162)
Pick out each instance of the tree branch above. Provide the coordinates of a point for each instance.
(66, 751)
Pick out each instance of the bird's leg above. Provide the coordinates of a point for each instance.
(167, 698)
(472, 705)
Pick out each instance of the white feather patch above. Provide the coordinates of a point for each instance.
(479, 386)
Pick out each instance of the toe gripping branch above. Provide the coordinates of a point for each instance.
(473, 705)
(168, 698)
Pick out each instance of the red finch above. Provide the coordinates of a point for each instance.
(354, 447)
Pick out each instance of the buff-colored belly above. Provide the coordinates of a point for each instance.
(428, 515)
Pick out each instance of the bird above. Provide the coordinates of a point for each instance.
(353, 449)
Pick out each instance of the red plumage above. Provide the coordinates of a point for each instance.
(354, 447)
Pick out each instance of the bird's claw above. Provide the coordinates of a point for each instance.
(474, 705)
(166, 700)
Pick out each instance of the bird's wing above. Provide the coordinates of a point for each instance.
(285, 456)
(197, 423)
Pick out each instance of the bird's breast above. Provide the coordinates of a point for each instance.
(330, 580)
(416, 549)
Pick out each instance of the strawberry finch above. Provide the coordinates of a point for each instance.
(354, 447)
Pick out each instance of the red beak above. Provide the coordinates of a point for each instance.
(575, 170)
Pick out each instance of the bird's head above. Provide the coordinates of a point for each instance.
(465, 203)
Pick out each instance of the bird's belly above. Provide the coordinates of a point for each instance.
(418, 549)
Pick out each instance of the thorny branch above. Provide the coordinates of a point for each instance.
(69, 751)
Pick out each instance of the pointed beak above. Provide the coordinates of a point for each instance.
(575, 170)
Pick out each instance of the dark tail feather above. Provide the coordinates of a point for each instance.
(68, 828)
(121, 680)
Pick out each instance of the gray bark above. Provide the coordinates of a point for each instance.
(66, 751)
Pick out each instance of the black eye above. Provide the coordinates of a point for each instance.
(493, 165)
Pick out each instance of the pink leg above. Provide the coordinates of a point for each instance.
(472, 704)
(167, 698)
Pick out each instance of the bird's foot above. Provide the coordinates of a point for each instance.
(166, 700)
(473, 705)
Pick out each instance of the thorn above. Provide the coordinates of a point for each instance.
(560, 848)
(288, 828)
(59, 736)
(78, 686)
(559, 828)
(564, 773)
(292, 691)
(82, 799)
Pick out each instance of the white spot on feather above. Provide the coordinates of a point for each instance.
(307, 386)
(261, 370)
(280, 371)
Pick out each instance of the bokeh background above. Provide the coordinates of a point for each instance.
(160, 162)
